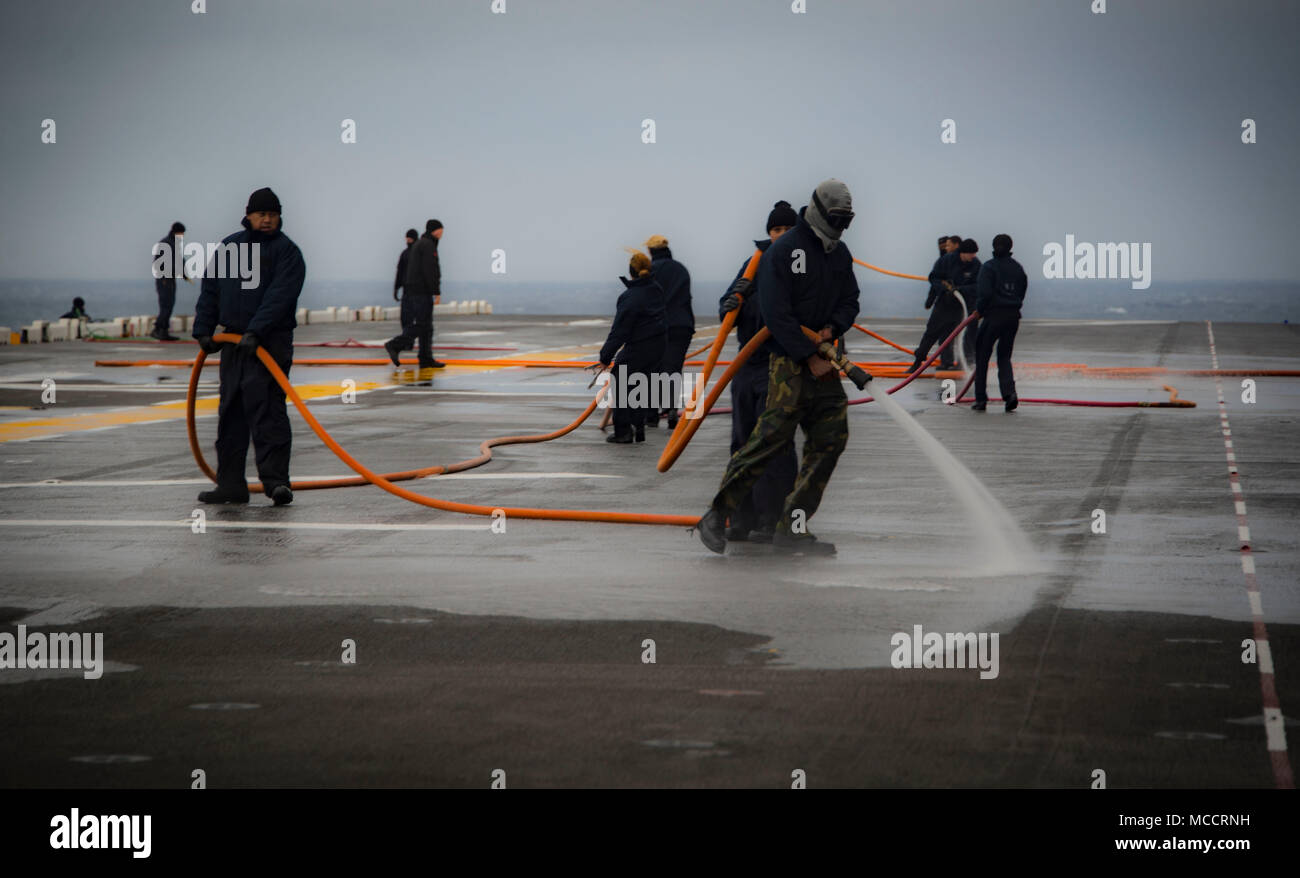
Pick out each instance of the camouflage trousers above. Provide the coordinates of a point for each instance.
(794, 399)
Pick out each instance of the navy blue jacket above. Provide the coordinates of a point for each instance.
(675, 281)
(825, 293)
(266, 310)
(169, 282)
(749, 318)
(423, 273)
(1001, 284)
(963, 276)
(639, 316)
(400, 280)
(940, 272)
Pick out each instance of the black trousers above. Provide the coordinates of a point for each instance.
(997, 328)
(641, 358)
(675, 347)
(761, 508)
(166, 288)
(419, 328)
(252, 407)
(944, 318)
(405, 316)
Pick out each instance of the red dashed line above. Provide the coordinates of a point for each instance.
(1274, 729)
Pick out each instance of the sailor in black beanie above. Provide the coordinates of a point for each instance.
(252, 402)
(952, 285)
(755, 518)
(1000, 293)
(400, 280)
(423, 290)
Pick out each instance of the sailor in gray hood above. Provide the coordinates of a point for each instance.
(804, 279)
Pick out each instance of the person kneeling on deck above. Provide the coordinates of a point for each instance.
(756, 517)
(640, 330)
(252, 401)
(804, 278)
(1000, 293)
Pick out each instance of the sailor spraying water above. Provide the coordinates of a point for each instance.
(804, 279)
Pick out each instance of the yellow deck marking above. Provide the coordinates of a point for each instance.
(148, 414)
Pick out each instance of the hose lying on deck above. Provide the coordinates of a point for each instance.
(681, 436)
(385, 481)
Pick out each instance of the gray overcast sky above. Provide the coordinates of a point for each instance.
(523, 131)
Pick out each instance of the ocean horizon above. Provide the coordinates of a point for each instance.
(25, 300)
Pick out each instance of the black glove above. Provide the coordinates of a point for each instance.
(208, 345)
(248, 344)
(731, 303)
(741, 287)
(396, 298)
(929, 300)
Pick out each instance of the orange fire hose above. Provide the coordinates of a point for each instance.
(678, 439)
(385, 481)
(888, 272)
(681, 436)
(879, 337)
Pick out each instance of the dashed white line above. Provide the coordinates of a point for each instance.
(1273, 723)
(230, 525)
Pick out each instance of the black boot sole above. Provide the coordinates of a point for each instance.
(804, 548)
(213, 498)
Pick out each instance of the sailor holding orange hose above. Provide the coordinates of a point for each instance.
(252, 402)
(804, 279)
(756, 517)
(637, 335)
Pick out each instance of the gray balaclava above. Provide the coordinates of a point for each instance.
(832, 194)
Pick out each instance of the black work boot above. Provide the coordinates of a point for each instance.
(979, 406)
(393, 354)
(217, 495)
(281, 495)
(738, 534)
(640, 434)
(713, 531)
(762, 534)
(620, 438)
(1012, 403)
(800, 544)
